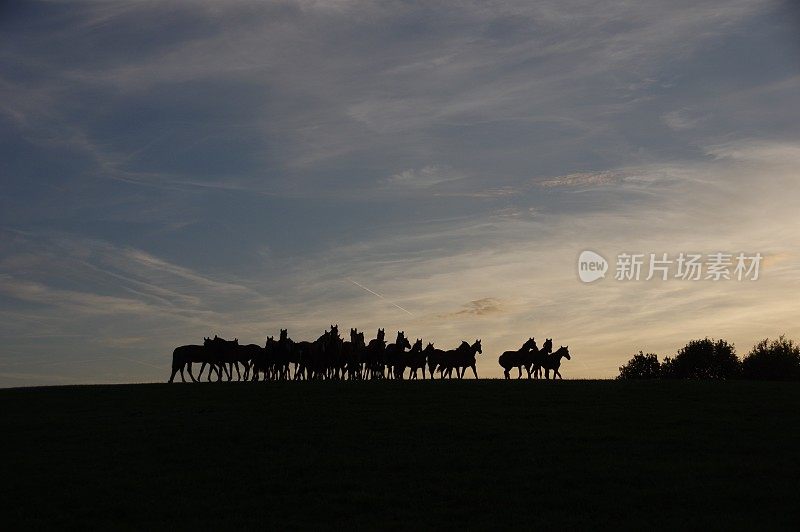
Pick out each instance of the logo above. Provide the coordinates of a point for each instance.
(591, 266)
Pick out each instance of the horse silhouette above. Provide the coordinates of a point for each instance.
(283, 352)
(183, 356)
(436, 359)
(415, 360)
(460, 359)
(241, 354)
(374, 355)
(352, 353)
(520, 358)
(393, 355)
(220, 353)
(539, 358)
(553, 362)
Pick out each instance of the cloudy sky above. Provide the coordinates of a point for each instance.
(175, 170)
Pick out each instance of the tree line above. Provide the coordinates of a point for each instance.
(716, 359)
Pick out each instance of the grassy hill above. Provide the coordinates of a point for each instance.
(470, 454)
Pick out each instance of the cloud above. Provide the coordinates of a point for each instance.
(425, 177)
(682, 119)
(477, 308)
(583, 179)
(757, 151)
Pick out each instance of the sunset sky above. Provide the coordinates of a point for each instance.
(175, 170)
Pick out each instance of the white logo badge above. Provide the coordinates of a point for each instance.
(591, 266)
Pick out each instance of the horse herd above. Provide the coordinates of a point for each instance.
(332, 357)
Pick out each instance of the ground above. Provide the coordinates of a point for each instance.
(468, 454)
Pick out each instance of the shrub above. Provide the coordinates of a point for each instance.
(776, 360)
(641, 366)
(703, 359)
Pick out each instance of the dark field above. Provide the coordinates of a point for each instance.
(485, 454)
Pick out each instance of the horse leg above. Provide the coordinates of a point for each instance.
(474, 371)
(200, 374)
(172, 377)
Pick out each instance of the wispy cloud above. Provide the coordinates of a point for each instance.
(582, 179)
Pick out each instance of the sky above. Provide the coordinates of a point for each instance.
(170, 171)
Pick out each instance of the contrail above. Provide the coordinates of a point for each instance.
(380, 296)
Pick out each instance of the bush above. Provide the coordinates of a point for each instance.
(641, 366)
(776, 360)
(703, 359)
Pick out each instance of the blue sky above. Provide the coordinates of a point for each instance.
(171, 171)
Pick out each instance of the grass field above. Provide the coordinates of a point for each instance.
(477, 455)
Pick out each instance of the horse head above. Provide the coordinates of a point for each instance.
(417, 346)
(402, 342)
(529, 345)
(564, 350)
(547, 346)
(284, 334)
(476, 347)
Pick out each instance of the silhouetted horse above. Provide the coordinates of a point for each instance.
(540, 358)
(517, 359)
(393, 355)
(460, 359)
(373, 356)
(302, 352)
(183, 356)
(284, 351)
(352, 353)
(220, 352)
(553, 361)
(465, 358)
(415, 360)
(263, 361)
(244, 355)
(436, 361)
(321, 359)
